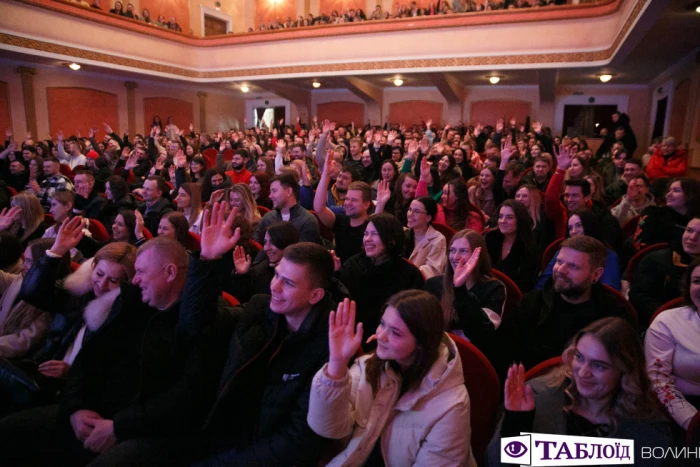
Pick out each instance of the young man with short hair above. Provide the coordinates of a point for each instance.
(238, 172)
(348, 226)
(88, 202)
(54, 181)
(635, 201)
(284, 194)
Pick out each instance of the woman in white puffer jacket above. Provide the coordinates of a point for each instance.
(403, 405)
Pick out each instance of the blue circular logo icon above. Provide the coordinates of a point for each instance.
(515, 449)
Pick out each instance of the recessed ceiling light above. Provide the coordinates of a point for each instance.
(697, 10)
(316, 84)
(74, 66)
(398, 82)
(494, 79)
(244, 88)
(605, 77)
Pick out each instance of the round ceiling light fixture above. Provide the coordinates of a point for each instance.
(494, 79)
(74, 66)
(605, 77)
(316, 84)
(244, 88)
(398, 82)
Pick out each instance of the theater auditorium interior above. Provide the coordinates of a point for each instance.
(349, 232)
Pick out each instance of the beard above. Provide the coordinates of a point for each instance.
(236, 166)
(568, 288)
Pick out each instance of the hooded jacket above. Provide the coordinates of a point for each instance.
(426, 426)
(660, 166)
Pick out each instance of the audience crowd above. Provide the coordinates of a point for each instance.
(129, 12)
(306, 294)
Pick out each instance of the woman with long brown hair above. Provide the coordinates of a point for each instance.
(25, 218)
(601, 389)
(373, 406)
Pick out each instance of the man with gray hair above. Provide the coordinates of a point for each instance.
(668, 162)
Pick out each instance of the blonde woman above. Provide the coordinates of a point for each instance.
(239, 196)
(542, 230)
(189, 202)
(25, 218)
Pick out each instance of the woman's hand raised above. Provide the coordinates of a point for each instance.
(465, 268)
(344, 338)
(69, 235)
(518, 395)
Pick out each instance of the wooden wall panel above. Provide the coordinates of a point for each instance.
(181, 111)
(5, 119)
(78, 109)
(488, 111)
(343, 113)
(415, 112)
(679, 108)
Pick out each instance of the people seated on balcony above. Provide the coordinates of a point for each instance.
(146, 16)
(118, 8)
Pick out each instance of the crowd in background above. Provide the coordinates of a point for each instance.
(245, 296)
(130, 12)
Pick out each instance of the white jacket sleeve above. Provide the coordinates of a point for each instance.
(330, 404)
(659, 346)
(449, 441)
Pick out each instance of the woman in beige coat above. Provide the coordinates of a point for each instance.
(22, 326)
(426, 247)
(403, 405)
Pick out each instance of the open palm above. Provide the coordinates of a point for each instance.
(518, 395)
(343, 337)
(217, 238)
(465, 268)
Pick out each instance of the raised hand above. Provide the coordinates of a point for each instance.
(499, 125)
(180, 159)
(139, 225)
(8, 217)
(160, 162)
(344, 338)
(216, 196)
(191, 127)
(383, 193)
(336, 261)
(132, 161)
(328, 126)
(241, 260)
(281, 145)
(425, 174)
(424, 145)
(59, 135)
(91, 133)
(564, 157)
(391, 137)
(69, 235)
(217, 238)
(412, 149)
(512, 122)
(8, 133)
(126, 152)
(506, 151)
(329, 164)
(518, 395)
(429, 124)
(108, 129)
(77, 133)
(465, 268)
(34, 186)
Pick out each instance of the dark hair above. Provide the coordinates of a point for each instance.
(643, 178)
(691, 191)
(523, 221)
(287, 181)
(38, 248)
(201, 161)
(87, 173)
(10, 250)
(354, 174)
(207, 187)
(129, 222)
(422, 314)
(596, 251)
(317, 260)
(463, 205)
(180, 224)
(636, 162)
(685, 285)
(282, 234)
(430, 207)
(243, 153)
(515, 168)
(590, 222)
(583, 183)
(101, 162)
(117, 188)
(53, 159)
(390, 232)
(393, 165)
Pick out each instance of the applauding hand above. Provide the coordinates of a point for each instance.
(465, 268)
(344, 338)
(69, 235)
(8, 217)
(241, 260)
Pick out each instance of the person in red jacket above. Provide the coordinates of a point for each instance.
(668, 162)
(239, 173)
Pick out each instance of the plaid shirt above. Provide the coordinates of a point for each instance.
(49, 186)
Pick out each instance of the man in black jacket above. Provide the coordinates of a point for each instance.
(88, 202)
(140, 385)
(545, 320)
(155, 205)
(275, 345)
